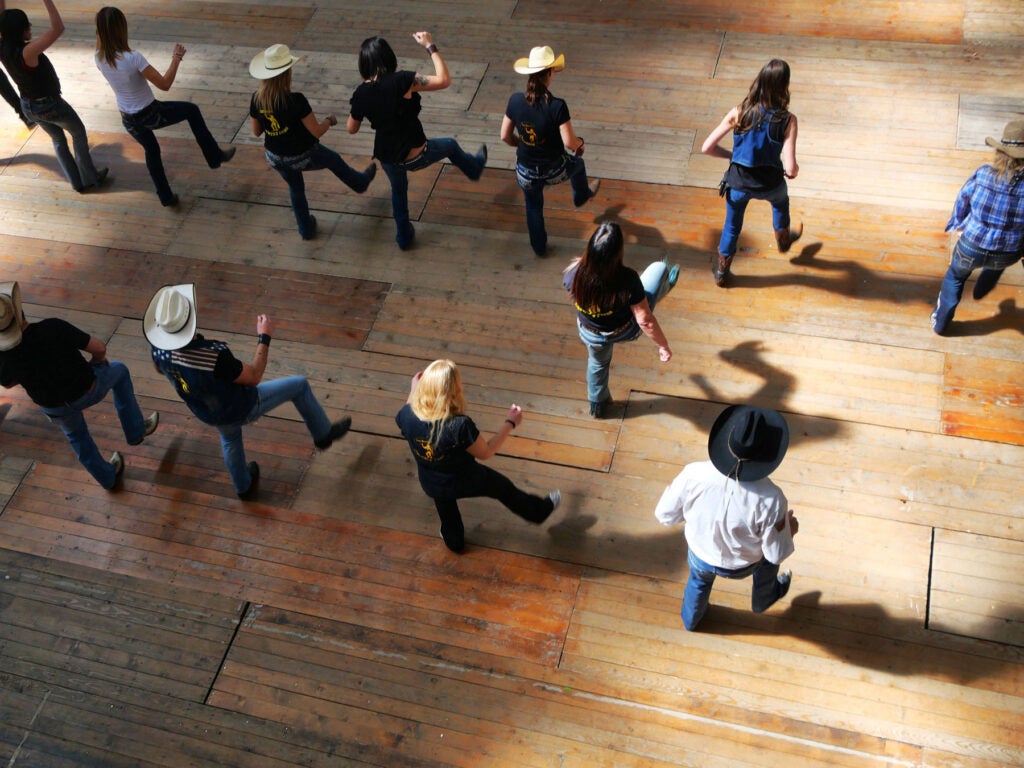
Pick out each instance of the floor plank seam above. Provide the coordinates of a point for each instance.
(242, 615)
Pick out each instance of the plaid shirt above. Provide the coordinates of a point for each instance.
(990, 211)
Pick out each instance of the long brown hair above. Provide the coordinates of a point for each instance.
(601, 280)
(537, 87)
(769, 91)
(272, 93)
(111, 34)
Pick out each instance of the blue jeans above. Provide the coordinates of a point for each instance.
(600, 346)
(112, 376)
(271, 394)
(436, 150)
(158, 115)
(54, 115)
(967, 258)
(533, 180)
(316, 158)
(766, 590)
(736, 207)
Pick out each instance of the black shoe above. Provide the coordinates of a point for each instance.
(101, 176)
(370, 172)
(456, 543)
(597, 409)
(172, 203)
(151, 424)
(254, 473)
(227, 154)
(312, 229)
(593, 188)
(338, 430)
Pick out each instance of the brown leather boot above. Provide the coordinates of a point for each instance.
(786, 237)
(720, 269)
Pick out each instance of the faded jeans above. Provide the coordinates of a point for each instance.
(112, 376)
(54, 115)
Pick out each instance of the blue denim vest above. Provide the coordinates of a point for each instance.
(756, 147)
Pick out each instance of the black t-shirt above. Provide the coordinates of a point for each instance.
(283, 131)
(611, 318)
(540, 140)
(394, 117)
(48, 363)
(440, 463)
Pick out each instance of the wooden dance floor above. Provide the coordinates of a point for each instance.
(170, 624)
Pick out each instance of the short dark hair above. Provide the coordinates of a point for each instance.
(376, 59)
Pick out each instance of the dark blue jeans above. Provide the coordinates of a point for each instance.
(967, 258)
(158, 115)
(54, 115)
(316, 158)
(533, 180)
(436, 150)
(736, 207)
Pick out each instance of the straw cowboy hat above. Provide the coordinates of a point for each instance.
(1012, 143)
(10, 316)
(272, 62)
(748, 443)
(540, 58)
(170, 320)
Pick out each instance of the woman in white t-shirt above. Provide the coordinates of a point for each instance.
(130, 75)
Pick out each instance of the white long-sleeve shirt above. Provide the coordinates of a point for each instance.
(729, 524)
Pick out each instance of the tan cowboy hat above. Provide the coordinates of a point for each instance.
(272, 62)
(170, 320)
(10, 315)
(1012, 143)
(540, 58)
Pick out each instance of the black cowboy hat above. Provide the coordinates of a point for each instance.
(748, 443)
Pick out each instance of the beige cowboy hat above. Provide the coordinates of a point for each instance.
(540, 58)
(10, 315)
(1012, 143)
(170, 320)
(272, 62)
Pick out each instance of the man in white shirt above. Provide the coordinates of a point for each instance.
(738, 522)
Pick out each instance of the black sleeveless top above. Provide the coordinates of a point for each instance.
(37, 82)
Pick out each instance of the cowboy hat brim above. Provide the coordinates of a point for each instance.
(10, 336)
(776, 430)
(160, 338)
(522, 66)
(1016, 152)
(258, 66)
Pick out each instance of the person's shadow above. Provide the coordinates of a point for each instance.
(777, 386)
(1008, 317)
(865, 635)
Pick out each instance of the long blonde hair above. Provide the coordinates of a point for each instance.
(272, 93)
(438, 396)
(1006, 167)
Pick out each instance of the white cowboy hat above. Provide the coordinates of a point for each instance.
(540, 58)
(272, 62)
(10, 315)
(170, 321)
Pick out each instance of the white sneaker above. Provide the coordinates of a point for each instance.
(556, 499)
